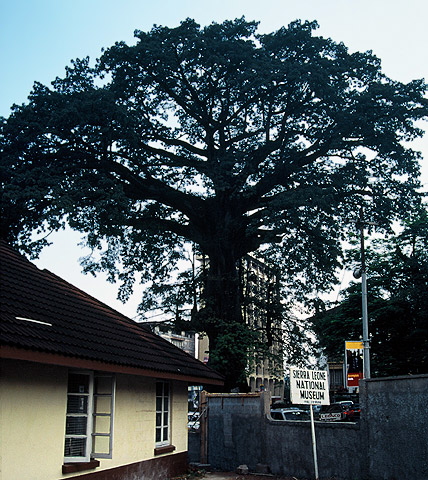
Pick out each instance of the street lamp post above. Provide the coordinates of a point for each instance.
(366, 341)
(361, 272)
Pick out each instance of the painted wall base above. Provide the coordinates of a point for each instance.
(163, 468)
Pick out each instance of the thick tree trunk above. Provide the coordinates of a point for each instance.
(221, 315)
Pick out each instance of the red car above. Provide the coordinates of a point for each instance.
(340, 412)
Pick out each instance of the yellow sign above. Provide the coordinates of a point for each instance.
(353, 362)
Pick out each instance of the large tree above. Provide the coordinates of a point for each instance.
(222, 137)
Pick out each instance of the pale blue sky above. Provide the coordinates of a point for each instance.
(39, 37)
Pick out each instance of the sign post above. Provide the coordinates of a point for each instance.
(310, 387)
(314, 443)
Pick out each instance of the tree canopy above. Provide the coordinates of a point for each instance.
(397, 304)
(234, 141)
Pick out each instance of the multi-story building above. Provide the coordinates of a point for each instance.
(184, 340)
(261, 311)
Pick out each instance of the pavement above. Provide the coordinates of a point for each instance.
(204, 472)
(235, 476)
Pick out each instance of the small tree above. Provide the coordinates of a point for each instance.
(397, 303)
(218, 136)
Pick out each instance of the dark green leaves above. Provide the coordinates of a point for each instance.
(218, 136)
(397, 303)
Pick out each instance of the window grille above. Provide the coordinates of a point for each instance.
(89, 416)
(162, 413)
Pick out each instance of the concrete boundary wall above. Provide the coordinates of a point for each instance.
(395, 427)
(389, 443)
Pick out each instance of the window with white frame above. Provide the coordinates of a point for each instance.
(89, 417)
(162, 413)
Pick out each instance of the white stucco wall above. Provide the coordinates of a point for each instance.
(134, 434)
(33, 405)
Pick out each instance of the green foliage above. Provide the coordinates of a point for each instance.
(218, 136)
(397, 304)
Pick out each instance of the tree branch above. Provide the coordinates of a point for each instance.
(180, 143)
(149, 188)
(161, 225)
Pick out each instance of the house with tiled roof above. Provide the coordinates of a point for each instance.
(86, 392)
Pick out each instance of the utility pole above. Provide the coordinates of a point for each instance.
(366, 341)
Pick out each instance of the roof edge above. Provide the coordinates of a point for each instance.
(14, 353)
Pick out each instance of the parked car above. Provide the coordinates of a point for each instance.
(289, 414)
(193, 420)
(338, 412)
(355, 411)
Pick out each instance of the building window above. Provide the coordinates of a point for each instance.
(162, 413)
(89, 417)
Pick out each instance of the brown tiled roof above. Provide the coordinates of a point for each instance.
(43, 314)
